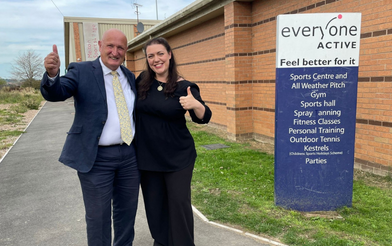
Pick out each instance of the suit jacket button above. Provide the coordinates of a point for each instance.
(103, 122)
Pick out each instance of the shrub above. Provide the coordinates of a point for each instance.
(31, 103)
(27, 97)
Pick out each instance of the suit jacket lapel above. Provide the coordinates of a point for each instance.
(131, 81)
(98, 74)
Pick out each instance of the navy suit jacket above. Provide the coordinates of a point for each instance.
(85, 82)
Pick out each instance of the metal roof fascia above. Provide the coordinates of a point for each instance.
(185, 16)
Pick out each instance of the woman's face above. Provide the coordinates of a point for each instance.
(158, 59)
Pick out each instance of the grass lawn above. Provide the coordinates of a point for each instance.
(13, 104)
(235, 186)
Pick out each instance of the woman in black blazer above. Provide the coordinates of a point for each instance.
(165, 148)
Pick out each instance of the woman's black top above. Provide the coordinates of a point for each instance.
(163, 141)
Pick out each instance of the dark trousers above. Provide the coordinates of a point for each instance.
(113, 181)
(167, 199)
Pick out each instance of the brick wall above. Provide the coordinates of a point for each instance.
(232, 59)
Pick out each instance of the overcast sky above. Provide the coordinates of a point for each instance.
(38, 24)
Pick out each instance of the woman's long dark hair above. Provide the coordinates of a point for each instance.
(148, 75)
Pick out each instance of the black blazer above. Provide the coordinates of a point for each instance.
(84, 81)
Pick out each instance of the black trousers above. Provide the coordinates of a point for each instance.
(112, 182)
(167, 199)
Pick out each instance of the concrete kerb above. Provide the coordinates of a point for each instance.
(203, 218)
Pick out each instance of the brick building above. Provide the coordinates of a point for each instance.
(229, 49)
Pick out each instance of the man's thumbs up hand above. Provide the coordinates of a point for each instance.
(55, 49)
(52, 62)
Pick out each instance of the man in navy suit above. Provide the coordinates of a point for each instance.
(106, 166)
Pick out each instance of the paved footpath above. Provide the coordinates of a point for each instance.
(41, 201)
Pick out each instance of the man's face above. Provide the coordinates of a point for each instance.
(112, 48)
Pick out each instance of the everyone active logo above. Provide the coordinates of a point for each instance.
(330, 30)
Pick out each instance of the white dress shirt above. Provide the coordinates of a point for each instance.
(111, 133)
